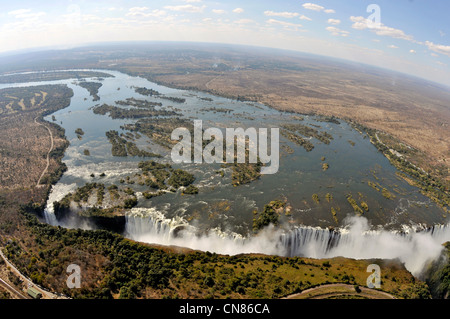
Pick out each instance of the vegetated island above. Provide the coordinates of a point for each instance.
(92, 87)
(51, 76)
(106, 206)
(122, 147)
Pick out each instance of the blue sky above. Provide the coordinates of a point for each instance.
(412, 36)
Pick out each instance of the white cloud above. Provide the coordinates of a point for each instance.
(144, 13)
(412, 51)
(337, 32)
(434, 55)
(192, 1)
(361, 23)
(186, 8)
(218, 11)
(281, 14)
(137, 9)
(303, 17)
(438, 48)
(238, 10)
(393, 46)
(316, 7)
(243, 21)
(19, 12)
(26, 14)
(207, 20)
(312, 6)
(334, 21)
(283, 23)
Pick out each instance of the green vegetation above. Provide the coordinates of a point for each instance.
(125, 113)
(151, 92)
(130, 203)
(79, 132)
(115, 267)
(49, 98)
(315, 198)
(92, 87)
(138, 103)
(298, 117)
(307, 145)
(172, 99)
(145, 91)
(118, 143)
(365, 206)
(325, 166)
(216, 110)
(221, 172)
(373, 185)
(51, 76)
(90, 201)
(354, 204)
(244, 173)
(333, 212)
(159, 129)
(122, 147)
(149, 195)
(387, 194)
(351, 143)
(308, 131)
(329, 197)
(180, 178)
(162, 177)
(434, 183)
(328, 119)
(25, 138)
(437, 274)
(191, 189)
(269, 215)
(4, 294)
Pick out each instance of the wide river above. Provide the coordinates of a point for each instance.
(225, 210)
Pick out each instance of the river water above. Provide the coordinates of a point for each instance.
(219, 218)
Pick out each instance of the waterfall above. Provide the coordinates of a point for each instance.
(356, 240)
(57, 193)
(49, 215)
(414, 248)
(309, 241)
(151, 226)
(144, 224)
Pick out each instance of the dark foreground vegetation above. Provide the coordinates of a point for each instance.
(115, 267)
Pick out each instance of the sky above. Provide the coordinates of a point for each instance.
(410, 36)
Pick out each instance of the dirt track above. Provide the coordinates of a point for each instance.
(338, 290)
(49, 151)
